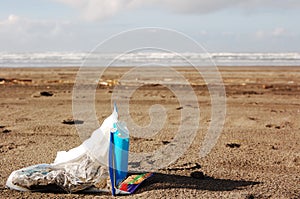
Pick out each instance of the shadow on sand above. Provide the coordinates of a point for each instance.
(169, 181)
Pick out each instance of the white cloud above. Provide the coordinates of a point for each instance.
(203, 32)
(260, 34)
(228, 33)
(100, 9)
(11, 19)
(276, 32)
(23, 33)
(25, 25)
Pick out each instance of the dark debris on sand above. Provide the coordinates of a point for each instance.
(6, 131)
(46, 93)
(198, 175)
(179, 108)
(71, 122)
(233, 145)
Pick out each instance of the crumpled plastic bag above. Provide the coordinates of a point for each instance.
(70, 177)
(78, 169)
(96, 146)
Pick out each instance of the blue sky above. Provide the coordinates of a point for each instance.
(220, 26)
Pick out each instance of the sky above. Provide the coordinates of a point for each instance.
(218, 25)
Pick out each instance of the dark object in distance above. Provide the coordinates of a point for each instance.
(165, 142)
(179, 108)
(70, 122)
(233, 145)
(6, 131)
(46, 93)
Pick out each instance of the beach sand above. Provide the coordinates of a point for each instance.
(256, 156)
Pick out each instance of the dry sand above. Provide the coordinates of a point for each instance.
(256, 156)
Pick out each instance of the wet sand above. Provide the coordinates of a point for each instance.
(256, 156)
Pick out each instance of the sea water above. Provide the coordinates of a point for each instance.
(77, 59)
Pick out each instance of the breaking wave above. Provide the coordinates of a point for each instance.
(57, 59)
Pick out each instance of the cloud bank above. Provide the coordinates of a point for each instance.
(24, 34)
(92, 10)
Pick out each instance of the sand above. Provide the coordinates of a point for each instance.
(256, 156)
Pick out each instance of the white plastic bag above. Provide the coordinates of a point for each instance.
(96, 146)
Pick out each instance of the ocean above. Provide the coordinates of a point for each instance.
(76, 59)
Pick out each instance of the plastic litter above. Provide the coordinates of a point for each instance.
(84, 168)
(72, 177)
(118, 155)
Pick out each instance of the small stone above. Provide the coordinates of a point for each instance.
(179, 108)
(267, 86)
(233, 145)
(6, 131)
(274, 147)
(251, 196)
(46, 93)
(11, 146)
(71, 121)
(198, 175)
(165, 142)
(252, 118)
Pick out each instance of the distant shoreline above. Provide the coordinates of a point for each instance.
(255, 67)
(69, 59)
